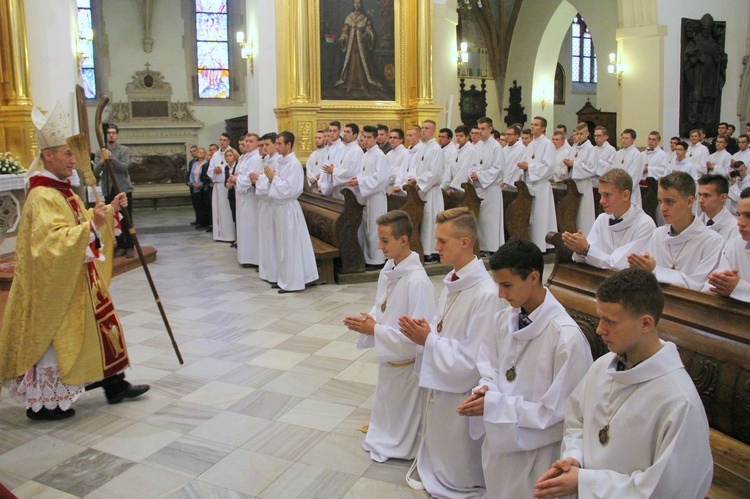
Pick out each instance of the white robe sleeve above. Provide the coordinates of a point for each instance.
(698, 271)
(584, 166)
(288, 187)
(429, 172)
(543, 165)
(376, 180)
(343, 172)
(491, 173)
(673, 472)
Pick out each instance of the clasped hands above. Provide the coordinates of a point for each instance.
(559, 481)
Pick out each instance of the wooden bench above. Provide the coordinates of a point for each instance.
(713, 338)
(413, 205)
(567, 201)
(335, 222)
(649, 197)
(517, 210)
(325, 254)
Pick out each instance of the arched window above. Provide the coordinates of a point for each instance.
(583, 64)
(86, 48)
(212, 49)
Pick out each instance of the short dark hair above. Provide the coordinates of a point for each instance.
(630, 132)
(215, 145)
(543, 120)
(253, 134)
(738, 164)
(287, 137)
(337, 124)
(720, 183)
(675, 138)
(223, 134)
(117, 128)
(565, 129)
(381, 127)
(657, 134)
(729, 125)
(485, 120)
(496, 133)
(680, 181)
(398, 221)
(373, 130)
(463, 129)
(516, 129)
(521, 257)
(744, 136)
(447, 131)
(683, 144)
(724, 123)
(637, 290)
(398, 132)
(745, 194)
(269, 136)
(354, 127)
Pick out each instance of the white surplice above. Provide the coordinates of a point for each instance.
(658, 437)
(582, 172)
(688, 258)
(698, 155)
(629, 159)
(489, 170)
(734, 193)
(725, 224)
(429, 174)
(561, 171)
(296, 258)
(605, 157)
(540, 155)
(372, 178)
(248, 248)
(655, 162)
(523, 418)
(314, 167)
(409, 164)
(737, 256)
(721, 161)
(604, 239)
(396, 413)
(450, 161)
(513, 154)
(268, 266)
(449, 460)
(456, 173)
(346, 168)
(395, 159)
(332, 156)
(223, 225)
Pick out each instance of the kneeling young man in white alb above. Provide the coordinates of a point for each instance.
(403, 289)
(734, 279)
(635, 426)
(449, 460)
(621, 224)
(530, 363)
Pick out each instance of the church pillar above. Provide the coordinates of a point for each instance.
(16, 128)
(261, 81)
(640, 49)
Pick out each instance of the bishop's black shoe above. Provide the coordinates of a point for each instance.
(45, 414)
(129, 392)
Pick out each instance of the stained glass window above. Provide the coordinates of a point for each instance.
(86, 48)
(583, 54)
(212, 48)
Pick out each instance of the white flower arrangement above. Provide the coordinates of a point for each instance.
(10, 165)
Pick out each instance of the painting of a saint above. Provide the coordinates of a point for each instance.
(357, 50)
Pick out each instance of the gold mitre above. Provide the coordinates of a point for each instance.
(52, 128)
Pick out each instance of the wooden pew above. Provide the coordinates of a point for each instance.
(567, 201)
(649, 197)
(517, 211)
(335, 222)
(413, 205)
(713, 338)
(468, 198)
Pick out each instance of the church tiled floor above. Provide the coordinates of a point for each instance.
(269, 402)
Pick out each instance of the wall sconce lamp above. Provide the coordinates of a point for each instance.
(246, 50)
(81, 52)
(615, 68)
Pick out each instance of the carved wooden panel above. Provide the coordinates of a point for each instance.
(649, 197)
(567, 201)
(517, 211)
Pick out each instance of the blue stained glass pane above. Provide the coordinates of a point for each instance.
(586, 71)
(211, 27)
(211, 6)
(213, 55)
(575, 72)
(576, 30)
(88, 49)
(213, 84)
(587, 47)
(576, 47)
(84, 23)
(86, 4)
(89, 83)
(596, 71)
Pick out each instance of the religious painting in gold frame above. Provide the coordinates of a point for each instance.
(357, 50)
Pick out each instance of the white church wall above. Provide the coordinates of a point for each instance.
(566, 113)
(126, 56)
(444, 62)
(735, 13)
